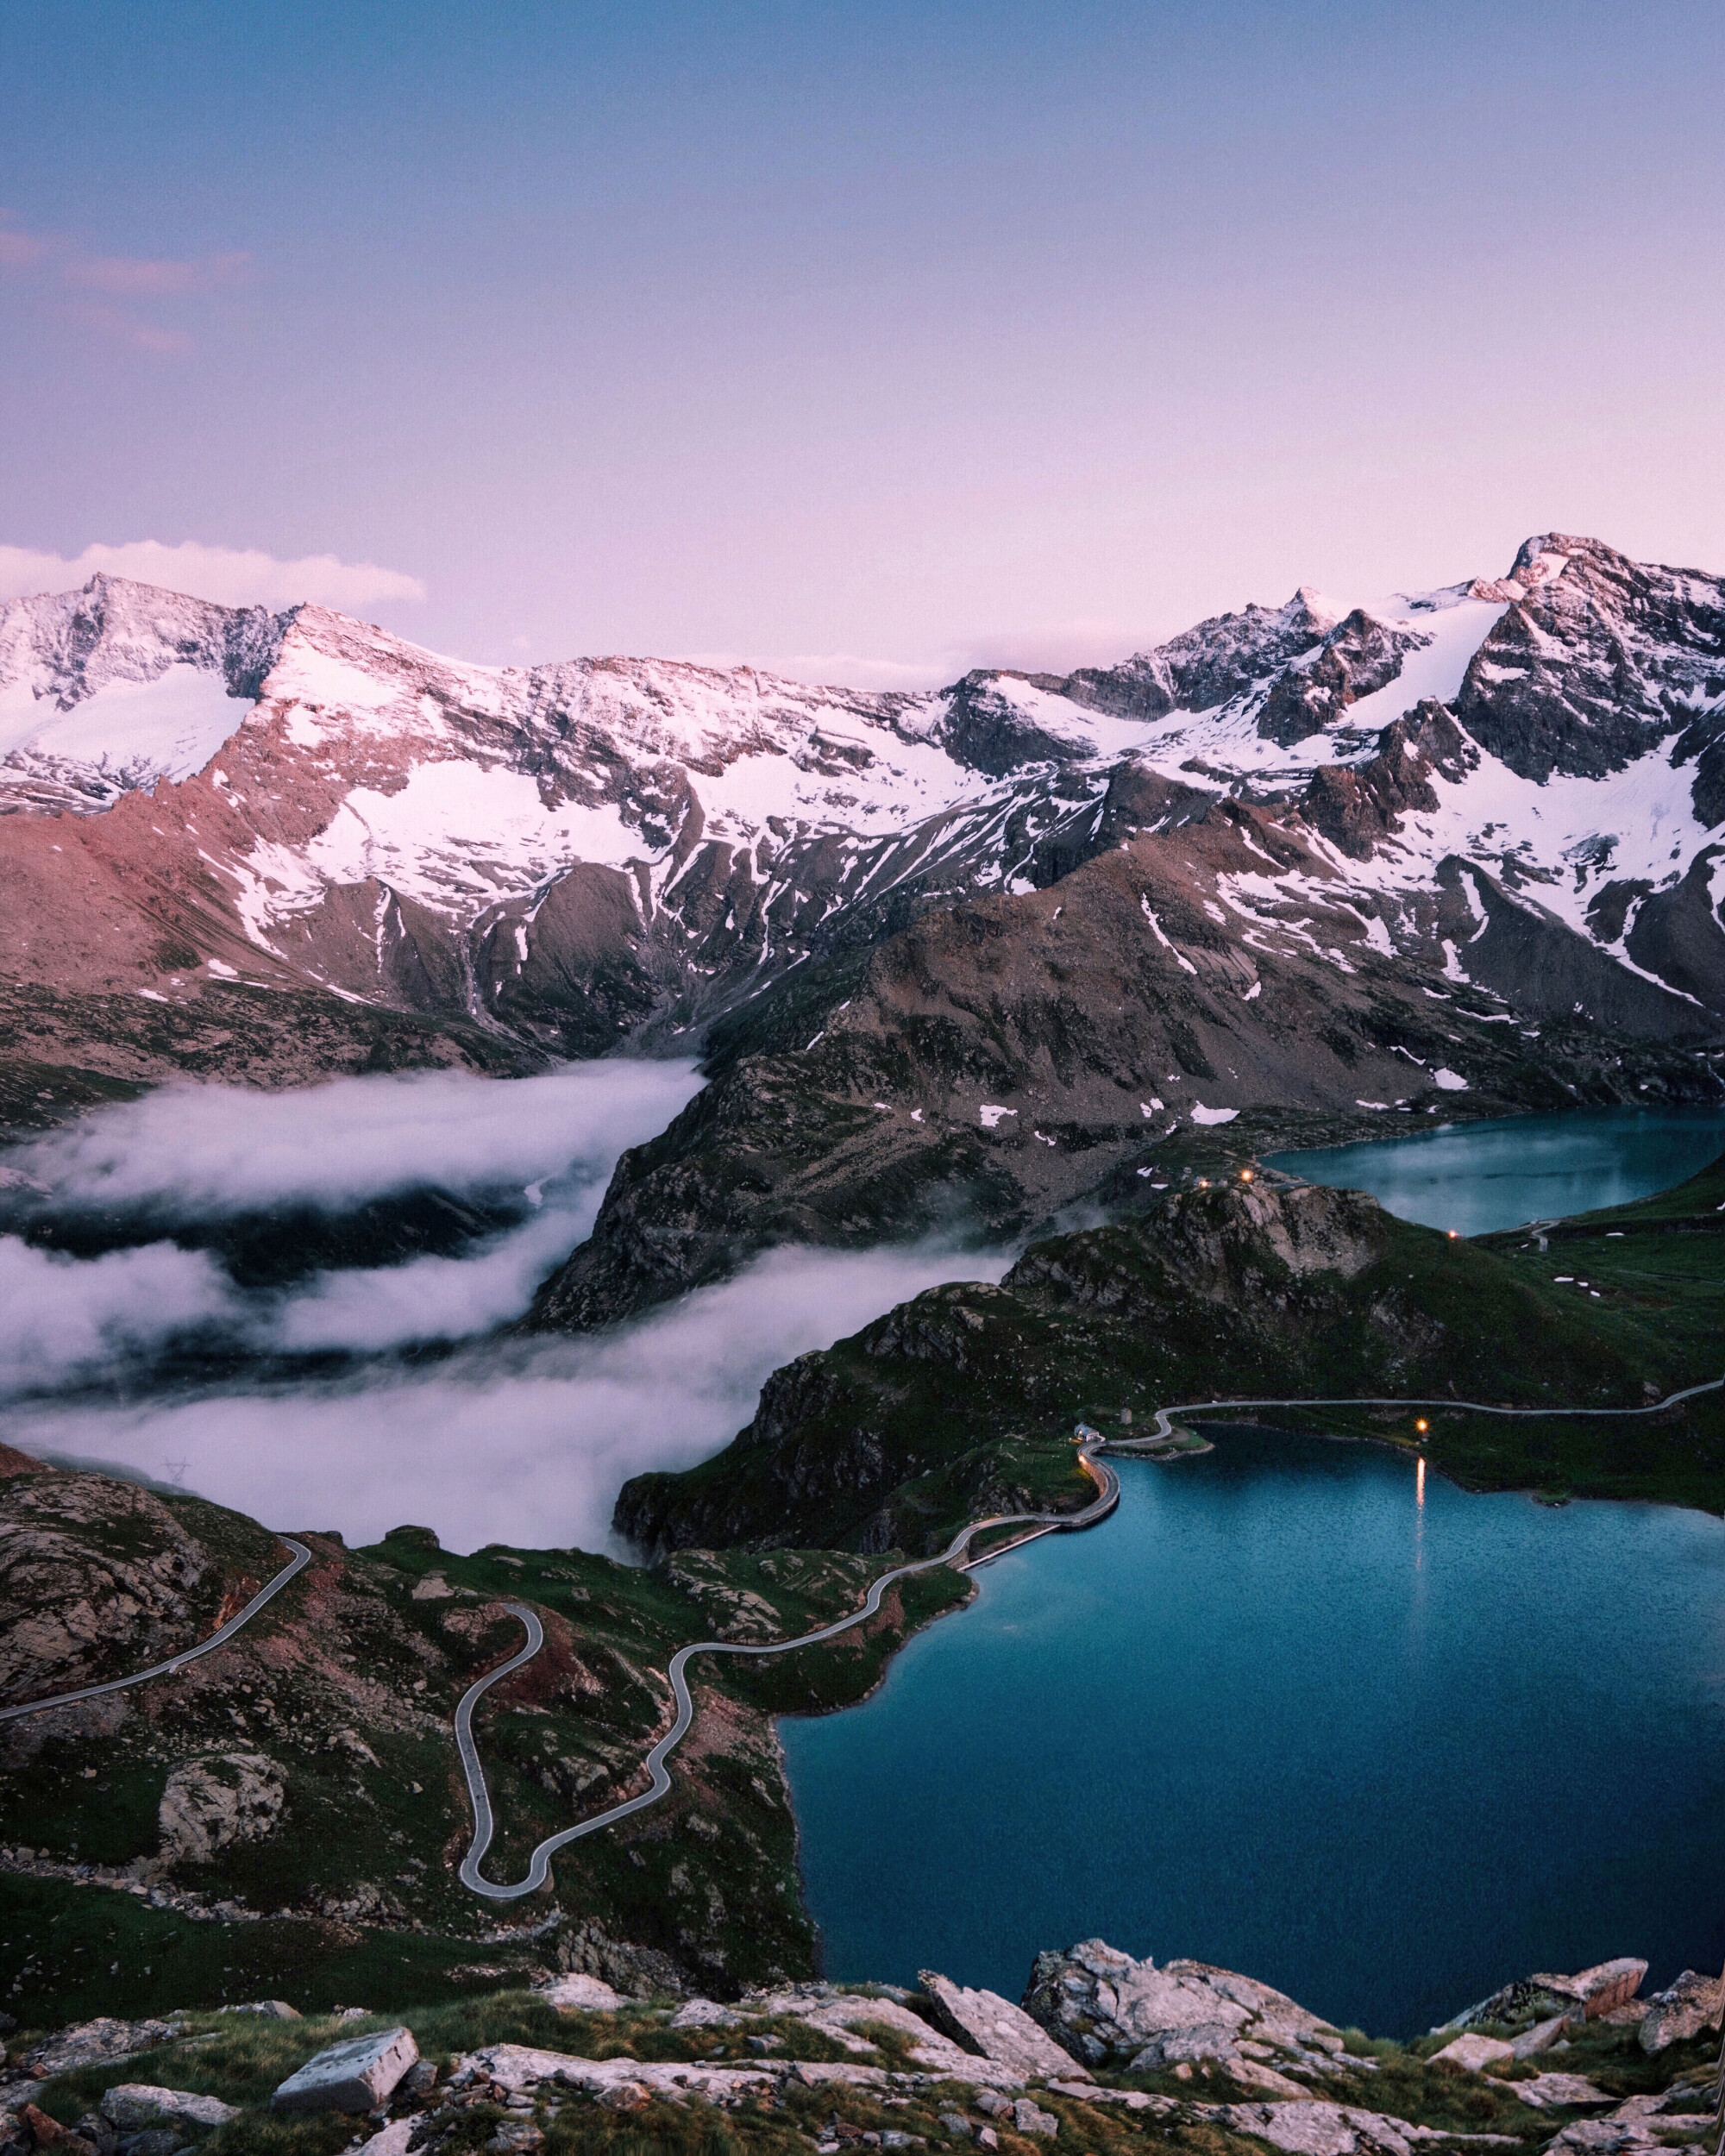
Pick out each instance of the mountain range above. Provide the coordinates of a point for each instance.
(974, 955)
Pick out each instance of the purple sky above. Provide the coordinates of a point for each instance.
(871, 340)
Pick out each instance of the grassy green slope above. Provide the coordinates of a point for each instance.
(965, 1397)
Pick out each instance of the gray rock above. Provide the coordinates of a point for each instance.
(984, 2021)
(703, 2014)
(1562, 2092)
(1682, 2010)
(1593, 1992)
(271, 2009)
(589, 1995)
(1028, 2118)
(1543, 2035)
(210, 1803)
(1474, 2053)
(102, 2042)
(956, 2122)
(1103, 2007)
(134, 2104)
(154, 2140)
(1189, 2048)
(390, 2140)
(356, 2076)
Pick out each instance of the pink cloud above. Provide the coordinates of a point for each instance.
(133, 278)
(127, 328)
(19, 250)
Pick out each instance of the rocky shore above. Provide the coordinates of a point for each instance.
(1103, 2052)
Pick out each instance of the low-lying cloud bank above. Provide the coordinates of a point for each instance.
(201, 1152)
(502, 1439)
(523, 1442)
(62, 1317)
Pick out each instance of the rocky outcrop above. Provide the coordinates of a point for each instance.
(1357, 806)
(1591, 1993)
(208, 1804)
(1358, 656)
(1108, 2010)
(78, 1604)
(1594, 662)
(1686, 2006)
(984, 2023)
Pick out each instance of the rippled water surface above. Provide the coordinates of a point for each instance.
(1384, 1748)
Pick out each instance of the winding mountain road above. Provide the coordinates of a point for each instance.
(302, 1557)
(1038, 1524)
(1164, 1429)
(1108, 1496)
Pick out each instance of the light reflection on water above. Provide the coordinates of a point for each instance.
(1238, 1723)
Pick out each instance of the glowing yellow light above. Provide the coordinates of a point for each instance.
(1422, 1425)
(1203, 1182)
(1246, 1175)
(1419, 1484)
(1454, 1233)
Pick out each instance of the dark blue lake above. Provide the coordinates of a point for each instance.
(1281, 1714)
(1384, 1746)
(1479, 1177)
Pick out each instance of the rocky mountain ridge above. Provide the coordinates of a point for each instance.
(615, 850)
(961, 959)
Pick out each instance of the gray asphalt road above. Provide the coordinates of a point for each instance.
(1109, 1493)
(1036, 1523)
(302, 1557)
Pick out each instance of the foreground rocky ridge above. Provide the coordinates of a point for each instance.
(1105, 2052)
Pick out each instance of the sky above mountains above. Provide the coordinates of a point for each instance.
(871, 343)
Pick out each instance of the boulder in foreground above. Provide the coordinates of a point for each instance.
(356, 2076)
(984, 2021)
(134, 2105)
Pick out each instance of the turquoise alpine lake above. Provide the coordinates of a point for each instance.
(1383, 1745)
(1306, 1710)
(1479, 1177)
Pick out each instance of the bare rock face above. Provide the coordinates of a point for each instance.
(208, 1804)
(1593, 1993)
(1108, 2009)
(1682, 2010)
(356, 2076)
(1359, 656)
(76, 1602)
(984, 2023)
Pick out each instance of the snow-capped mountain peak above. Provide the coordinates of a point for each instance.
(575, 850)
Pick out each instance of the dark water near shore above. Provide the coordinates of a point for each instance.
(1281, 1714)
(1381, 1744)
(1479, 1177)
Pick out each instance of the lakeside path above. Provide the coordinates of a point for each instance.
(1035, 1524)
(302, 1557)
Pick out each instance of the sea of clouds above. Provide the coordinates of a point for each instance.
(519, 1440)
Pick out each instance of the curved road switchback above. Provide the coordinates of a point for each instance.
(1108, 1496)
(1035, 1524)
(302, 1557)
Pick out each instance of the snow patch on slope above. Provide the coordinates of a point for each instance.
(172, 725)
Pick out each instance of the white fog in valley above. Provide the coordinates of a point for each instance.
(525, 1442)
(515, 1440)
